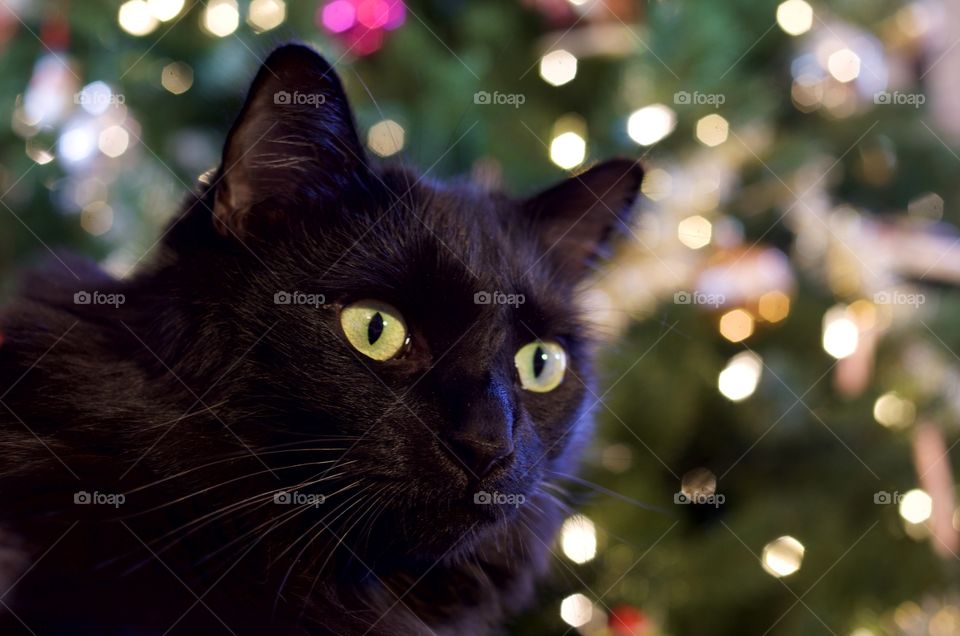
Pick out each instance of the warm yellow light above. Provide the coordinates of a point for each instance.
(568, 150)
(576, 610)
(165, 10)
(657, 184)
(844, 65)
(578, 539)
(39, 155)
(221, 17)
(695, 231)
(558, 67)
(736, 325)
(651, 123)
(840, 333)
(176, 77)
(136, 18)
(266, 14)
(113, 141)
(740, 377)
(916, 506)
(386, 138)
(783, 556)
(795, 17)
(774, 306)
(893, 411)
(97, 218)
(712, 130)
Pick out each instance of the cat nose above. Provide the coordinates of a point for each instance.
(481, 435)
(480, 456)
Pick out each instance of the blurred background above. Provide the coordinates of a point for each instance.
(783, 324)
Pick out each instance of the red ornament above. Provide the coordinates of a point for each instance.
(627, 620)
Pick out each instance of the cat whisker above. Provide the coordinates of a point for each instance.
(276, 522)
(263, 498)
(236, 457)
(357, 499)
(610, 493)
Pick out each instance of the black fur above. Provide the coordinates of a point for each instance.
(198, 397)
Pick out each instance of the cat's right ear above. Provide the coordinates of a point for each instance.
(294, 146)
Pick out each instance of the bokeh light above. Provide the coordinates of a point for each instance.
(266, 14)
(136, 18)
(558, 67)
(841, 336)
(712, 130)
(782, 556)
(568, 150)
(795, 17)
(386, 138)
(650, 124)
(578, 539)
(736, 325)
(221, 17)
(695, 231)
(739, 379)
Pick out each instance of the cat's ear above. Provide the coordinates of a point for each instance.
(577, 218)
(294, 145)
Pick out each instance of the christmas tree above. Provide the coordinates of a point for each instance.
(778, 409)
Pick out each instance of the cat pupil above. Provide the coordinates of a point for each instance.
(375, 328)
(539, 361)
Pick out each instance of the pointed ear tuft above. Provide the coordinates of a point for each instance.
(293, 143)
(577, 218)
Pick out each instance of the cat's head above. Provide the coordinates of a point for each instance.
(426, 332)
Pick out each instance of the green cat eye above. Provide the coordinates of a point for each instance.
(541, 365)
(374, 328)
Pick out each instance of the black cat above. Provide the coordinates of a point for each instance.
(330, 404)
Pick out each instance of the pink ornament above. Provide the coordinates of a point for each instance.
(362, 24)
(339, 16)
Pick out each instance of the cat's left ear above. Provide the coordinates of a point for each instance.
(294, 146)
(577, 218)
